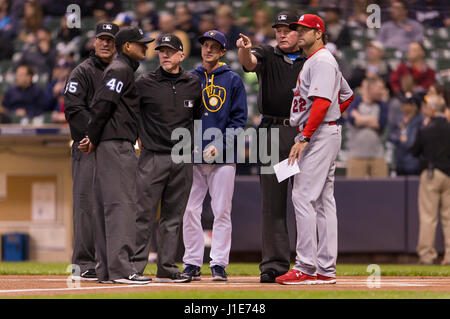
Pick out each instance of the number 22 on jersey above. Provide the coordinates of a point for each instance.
(298, 104)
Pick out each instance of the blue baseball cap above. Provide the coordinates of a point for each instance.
(215, 35)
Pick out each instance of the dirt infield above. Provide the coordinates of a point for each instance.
(13, 286)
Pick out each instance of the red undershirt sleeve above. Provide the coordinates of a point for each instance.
(319, 109)
(344, 105)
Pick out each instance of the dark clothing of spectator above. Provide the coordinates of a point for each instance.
(339, 35)
(405, 162)
(193, 35)
(111, 7)
(42, 62)
(430, 13)
(432, 145)
(232, 36)
(359, 73)
(32, 99)
(6, 46)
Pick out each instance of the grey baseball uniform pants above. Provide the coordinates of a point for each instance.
(219, 180)
(159, 178)
(83, 219)
(275, 240)
(315, 207)
(115, 208)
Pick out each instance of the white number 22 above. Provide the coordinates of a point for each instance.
(113, 87)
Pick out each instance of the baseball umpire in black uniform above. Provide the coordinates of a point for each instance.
(277, 69)
(112, 132)
(170, 99)
(78, 94)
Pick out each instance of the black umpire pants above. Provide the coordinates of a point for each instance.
(159, 178)
(83, 219)
(115, 208)
(275, 240)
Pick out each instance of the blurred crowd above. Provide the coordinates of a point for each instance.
(38, 50)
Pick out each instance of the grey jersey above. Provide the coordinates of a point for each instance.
(320, 77)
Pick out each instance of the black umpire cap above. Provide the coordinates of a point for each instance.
(131, 34)
(106, 28)
(169, 40)
(285, 18)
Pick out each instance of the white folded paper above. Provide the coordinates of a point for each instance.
(283, 170)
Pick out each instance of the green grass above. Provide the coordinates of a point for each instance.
(234, 269)
(249, 294)
(246, 269)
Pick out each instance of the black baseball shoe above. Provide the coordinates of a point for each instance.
(192, 272)
(218, 273)
(175, 278)
(135, 279)
(88, 275)
(268, 277)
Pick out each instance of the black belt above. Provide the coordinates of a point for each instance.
(277, 120)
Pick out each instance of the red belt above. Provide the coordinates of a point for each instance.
(332, 123)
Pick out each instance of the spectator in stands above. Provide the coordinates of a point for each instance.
(183, 18)
(55, 90)
(106, 10)
(25, 99)
(404, 134)
(431, 13)
(261, 31)
(7, 31)
(206, 22)
(167, 25)
(7, 23)
(246, 12)
(414, 75)
(337, 30)
(432, 146)
(146, 15)
(224, 19)
(435, 90)
(41, 55)
(373, 65)
(67, 38)
(400, 31)
(367, 116)
(32, 21)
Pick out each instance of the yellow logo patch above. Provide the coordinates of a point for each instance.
(213, 97)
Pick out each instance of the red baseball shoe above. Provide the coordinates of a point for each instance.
(323, 280)
(295, 277)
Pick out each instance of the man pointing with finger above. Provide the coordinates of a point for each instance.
(225, 103)
(277, 69)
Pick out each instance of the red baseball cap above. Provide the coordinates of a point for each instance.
(310, 21)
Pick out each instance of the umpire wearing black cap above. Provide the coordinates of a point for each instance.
(112, 133)
(170, 99)
(80, 88)
(277, 69)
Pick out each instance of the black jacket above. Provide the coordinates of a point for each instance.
(78, 94)
(432, 145)
(115, 108)
(167, 103)
(277, 76)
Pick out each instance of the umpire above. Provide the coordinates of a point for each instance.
(78, 94)
(112, 132)
(170, 99)
(277, 69)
